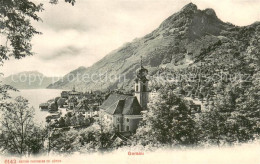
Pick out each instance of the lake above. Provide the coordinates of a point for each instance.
(36, 97)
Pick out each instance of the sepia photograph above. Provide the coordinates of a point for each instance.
(129, 81)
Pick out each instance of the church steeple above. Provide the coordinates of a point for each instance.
(141, 85)
(141, 73)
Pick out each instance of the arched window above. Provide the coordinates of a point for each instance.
(136, 88)
(144, 88)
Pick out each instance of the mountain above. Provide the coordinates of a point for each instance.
(74, 78)
(185, 39)
(29, 80)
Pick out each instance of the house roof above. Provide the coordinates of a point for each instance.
(82, 107)
(64, 92)
(122, 104)
(74, 93)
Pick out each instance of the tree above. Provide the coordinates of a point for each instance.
(73, 120)
(80, 119)
(214, 128)
(69, 1)
(16, 28)
(85, 140)
(36, 140)
(167, 122)
(64, 142)
(61, 102)
(233, 117)
(106, 132)
(248, 109)
(67, 121)
(16, 31)
(19, 133)
(62, 122)
(4, 95)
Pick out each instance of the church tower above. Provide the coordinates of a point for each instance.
(141, 86)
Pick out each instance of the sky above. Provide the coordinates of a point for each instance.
(82, 34)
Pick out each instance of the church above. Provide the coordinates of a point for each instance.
(122, 111)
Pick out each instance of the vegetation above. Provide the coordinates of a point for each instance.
(230, 119)
(19, 134)
(231, 106)
(87, 140)
(16, 28)
(75, 120)
(167, 122)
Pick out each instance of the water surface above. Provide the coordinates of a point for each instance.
(36, 97)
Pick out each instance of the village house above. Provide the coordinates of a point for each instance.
(72, 103)
(124, 112)
(88, 95)
(84, 108)
(64, 94)
(72, 97)
(75, 93)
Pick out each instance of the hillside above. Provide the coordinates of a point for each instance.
(29, 80)
(185, 39)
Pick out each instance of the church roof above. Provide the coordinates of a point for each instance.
(122, 104)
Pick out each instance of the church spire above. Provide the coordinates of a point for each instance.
(141, 72)
(141, 85)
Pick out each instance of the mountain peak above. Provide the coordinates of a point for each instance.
(193, 7)
(190, 7)
(196, 31)
(211, 13)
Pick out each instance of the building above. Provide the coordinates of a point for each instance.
(86, 110)
(72, 103)
(141, 86)
(124, 111)
(75, 93)
(64, 94)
